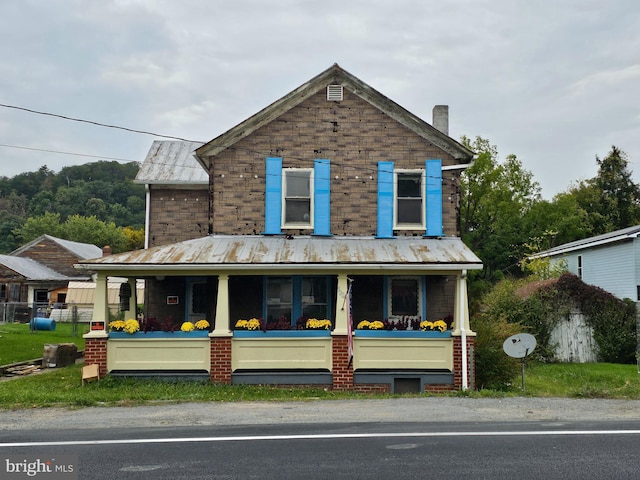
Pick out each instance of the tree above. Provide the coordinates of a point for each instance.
(494, 198)
(47, 224)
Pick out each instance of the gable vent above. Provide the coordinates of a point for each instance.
(334, 93)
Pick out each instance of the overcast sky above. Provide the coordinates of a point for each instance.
(555, 83)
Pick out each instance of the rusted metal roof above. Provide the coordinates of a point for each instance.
(172, 163)
(231, 252)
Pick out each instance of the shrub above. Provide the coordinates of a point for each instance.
(495, 370)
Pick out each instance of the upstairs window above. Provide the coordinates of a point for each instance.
(409, 199)
(297, 194)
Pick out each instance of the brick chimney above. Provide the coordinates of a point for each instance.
(441, 118)
(106, 251)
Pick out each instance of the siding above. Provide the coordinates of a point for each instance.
(612, 268)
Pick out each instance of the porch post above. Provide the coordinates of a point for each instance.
(221, 326)
(95, 343)
(463, 329)
(101, 300)
(341, 313)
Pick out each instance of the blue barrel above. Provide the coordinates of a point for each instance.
(39, 323)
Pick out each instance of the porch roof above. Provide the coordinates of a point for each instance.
(258, 252)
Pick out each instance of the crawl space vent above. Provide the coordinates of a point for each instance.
(334, 93)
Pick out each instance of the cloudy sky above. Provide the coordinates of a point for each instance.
(555, 83)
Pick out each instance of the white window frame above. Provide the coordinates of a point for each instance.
(418, 293)
(302, 225)
(423, 215)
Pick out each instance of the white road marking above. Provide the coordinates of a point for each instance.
(259, 438)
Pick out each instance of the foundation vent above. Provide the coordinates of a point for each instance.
(335, 93)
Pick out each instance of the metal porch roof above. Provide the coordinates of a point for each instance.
(256, 251)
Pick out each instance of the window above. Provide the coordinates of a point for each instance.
(289, 298)
(580, 267)
(314, 297)
(297, 207)
(404, 297)
(279, 296)
(409, 199)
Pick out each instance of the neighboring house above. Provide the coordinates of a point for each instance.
(610, 261)
(80, 297)
(36, 274)
(332, 203)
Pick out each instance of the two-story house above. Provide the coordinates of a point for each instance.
(332, 203)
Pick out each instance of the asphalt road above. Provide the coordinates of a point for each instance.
(429, 437)
(523, 450)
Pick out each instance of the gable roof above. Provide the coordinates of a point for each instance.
(334, 75)
(258, 252)
(604, 239)
(83, 251)
(30, 269)
(172, 162)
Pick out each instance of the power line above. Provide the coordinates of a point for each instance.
(64, 117)
(66, 153)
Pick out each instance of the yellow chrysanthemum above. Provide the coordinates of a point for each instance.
(253, 324)
(116, 325)
(363, 324)
(315, 324)
(202, 325)
(131, 326)
(440, 325)
(377, 325)
(187, 327)
(242, 323)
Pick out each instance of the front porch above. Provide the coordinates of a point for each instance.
(399, 357)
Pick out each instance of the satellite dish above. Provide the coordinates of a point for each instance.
(519, 345)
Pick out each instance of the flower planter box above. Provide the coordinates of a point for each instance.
(401, 334)
(281, 333)
(179, 335)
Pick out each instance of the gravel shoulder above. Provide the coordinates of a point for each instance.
(518, 409)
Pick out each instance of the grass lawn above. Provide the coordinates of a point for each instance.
(18, 343)
(63, 386)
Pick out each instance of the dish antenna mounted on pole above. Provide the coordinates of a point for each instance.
(519, 346)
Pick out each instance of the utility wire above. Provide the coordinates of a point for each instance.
(66, 153)
(94, 123)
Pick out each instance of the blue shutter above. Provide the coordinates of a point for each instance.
(322, 197)
(273, 196)
(385, 200)
(433, 172)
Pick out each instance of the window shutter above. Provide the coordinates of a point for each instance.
(385, 200)
(273, 196)
(322, 197)
(433, 171)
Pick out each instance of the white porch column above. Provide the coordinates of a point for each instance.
(100, 316)
(461, 308)
(341, 313)
(221, 327)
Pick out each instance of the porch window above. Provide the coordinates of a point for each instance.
(289, 298)
(297, 207)
(279, 297)
(404, 297)
(409, 199)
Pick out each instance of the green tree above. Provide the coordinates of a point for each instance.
(33, 227)
(494, 198)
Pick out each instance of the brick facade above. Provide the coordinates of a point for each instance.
(177, 215)
(342, 369)
(221, 360)
(95, 351)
